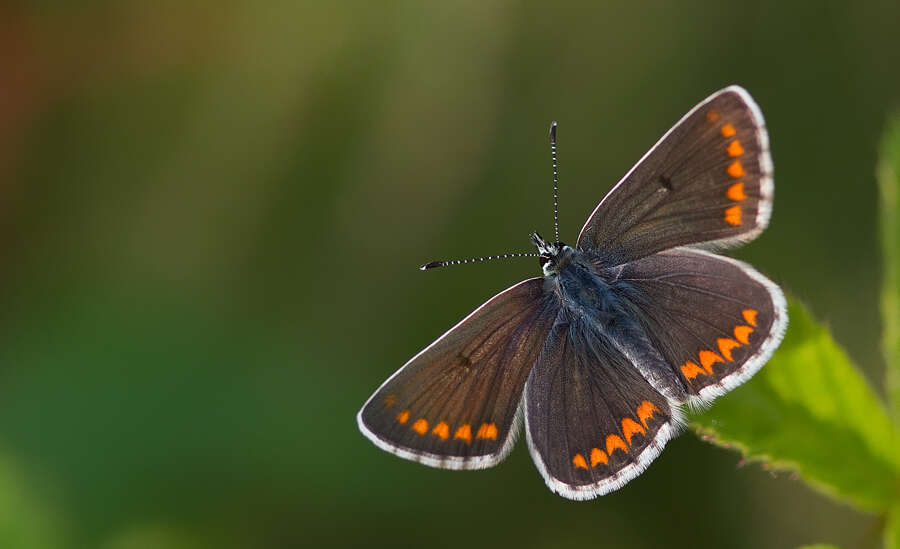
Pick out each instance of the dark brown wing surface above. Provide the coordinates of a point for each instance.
(593, 422)
(716, 320)
(707, 181)
(455, 404)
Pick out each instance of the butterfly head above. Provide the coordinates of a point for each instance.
(552, 255)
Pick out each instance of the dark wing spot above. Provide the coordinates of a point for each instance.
(665, 181)
(463, 361)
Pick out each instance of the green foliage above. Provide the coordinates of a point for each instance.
(889, 220)
(811, 411)
(889, 217)
(892, 528)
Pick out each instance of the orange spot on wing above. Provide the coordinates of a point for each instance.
(750, 316)
(736, 191)
(390, 400)
(742, 333)
(728, 130)
(733, 215)
(712, 115)
(579, 461)
(420, 426)
(487, 430)
(598, 456)
(726, 344)
(645, 411)
(630, 427)
(613, 442)
(707, 359)
(442, 430)
(735, 169)
(403, 416)
(690, 370)
(464, 432)
(735, 148)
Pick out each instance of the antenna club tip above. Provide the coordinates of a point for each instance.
(430, 265)
(553, 132)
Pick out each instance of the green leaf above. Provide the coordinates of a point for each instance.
(809, 410)
(889, 216)
(892, 529)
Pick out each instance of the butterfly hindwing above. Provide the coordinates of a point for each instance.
(454, 405)
(593, 423)
(707, 181)
(715, 320)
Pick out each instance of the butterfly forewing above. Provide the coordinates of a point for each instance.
(708, 181)
(593, 423)
(454, 405)
(714, 319)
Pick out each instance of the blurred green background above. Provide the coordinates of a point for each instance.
(212, 215)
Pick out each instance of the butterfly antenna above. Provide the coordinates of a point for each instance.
(436, 264)
(555, 181)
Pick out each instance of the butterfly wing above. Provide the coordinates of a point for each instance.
(455, 404)
(714, 319)
(592, 421)
(707, 181)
